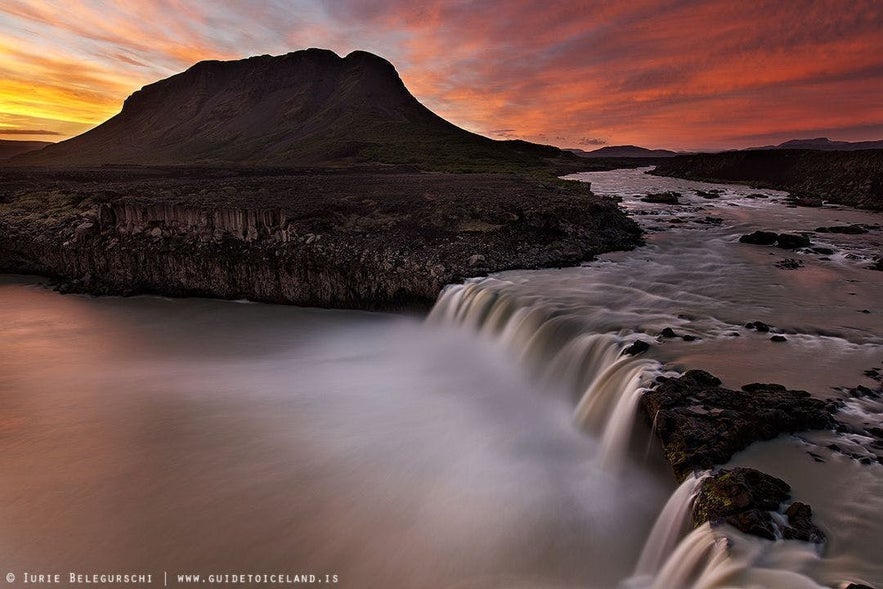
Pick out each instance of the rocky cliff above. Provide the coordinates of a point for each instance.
(848, 177)
(324, 239)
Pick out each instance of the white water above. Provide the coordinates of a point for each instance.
(669, 528)
(693, 276)
(560, 347)
(204, 436)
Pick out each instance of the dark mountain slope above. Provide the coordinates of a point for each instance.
(305, 108)
(10, 148)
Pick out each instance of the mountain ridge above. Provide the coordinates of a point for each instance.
(305, 108)
(623, 151)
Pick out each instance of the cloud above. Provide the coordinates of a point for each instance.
(658, 73)
(592, 141)
(27, 132)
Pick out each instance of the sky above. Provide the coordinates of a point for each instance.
(677, 74)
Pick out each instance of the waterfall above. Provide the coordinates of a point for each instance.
(700, 561)
(558, 345)
(671, 524)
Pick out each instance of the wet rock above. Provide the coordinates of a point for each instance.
(730, 420)
(791, 241)
(759, 238)
(789, 264)
(476, 260)
(807, 201)
(710, 194)
(743, 498)
(800, 526)
(845, 229)
(689, 338)
(825, 251)
(666, 198)
(758, 326)
(668, 332)
(877, 265)
(638, 347)
(857, 586)
(778, 338)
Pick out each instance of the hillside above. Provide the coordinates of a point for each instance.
(10, 148)
(307, 108)
(825, 144)
(847, 177)
(624, 151)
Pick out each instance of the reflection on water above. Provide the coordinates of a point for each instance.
(191, 435)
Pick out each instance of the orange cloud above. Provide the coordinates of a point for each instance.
(660, 73)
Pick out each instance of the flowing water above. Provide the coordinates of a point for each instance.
(494, 445)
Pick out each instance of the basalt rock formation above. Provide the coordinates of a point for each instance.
(745, 498)
(702, 424)
(331, 239)
(306, 108)
(847, 177)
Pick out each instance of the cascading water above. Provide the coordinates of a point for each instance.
(559, 346)
(669, 527)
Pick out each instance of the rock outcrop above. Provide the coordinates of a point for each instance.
(702, 424)
(352, 240)
(746, 499)
(847, 177)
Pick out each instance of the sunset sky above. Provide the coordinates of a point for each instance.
(680, 74)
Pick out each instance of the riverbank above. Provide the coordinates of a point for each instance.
(853, 178)
(329, 238)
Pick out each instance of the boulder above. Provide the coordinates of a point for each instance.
(639, 347)
(701, 424)
(759, 238)
(745, 498)
(791, 241)
(667, 198)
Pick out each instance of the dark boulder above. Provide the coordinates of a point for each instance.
(666, 198)
(758, 326)
(701, 424)
(743, 498)
(759, 238)
(800, 526)
(791, 241)
(845, 229)
(639, 347)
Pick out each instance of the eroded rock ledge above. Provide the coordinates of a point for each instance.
(348, 239)
(701, 425)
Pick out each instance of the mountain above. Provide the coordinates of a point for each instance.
(824, 144)
(624, 151)
(306, 108)
(9, 148)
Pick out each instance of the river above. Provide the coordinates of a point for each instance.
(165, 437)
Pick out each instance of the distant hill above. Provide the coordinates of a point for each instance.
(824, 144)
(306, 108)
(623, 151)
(10, 148)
